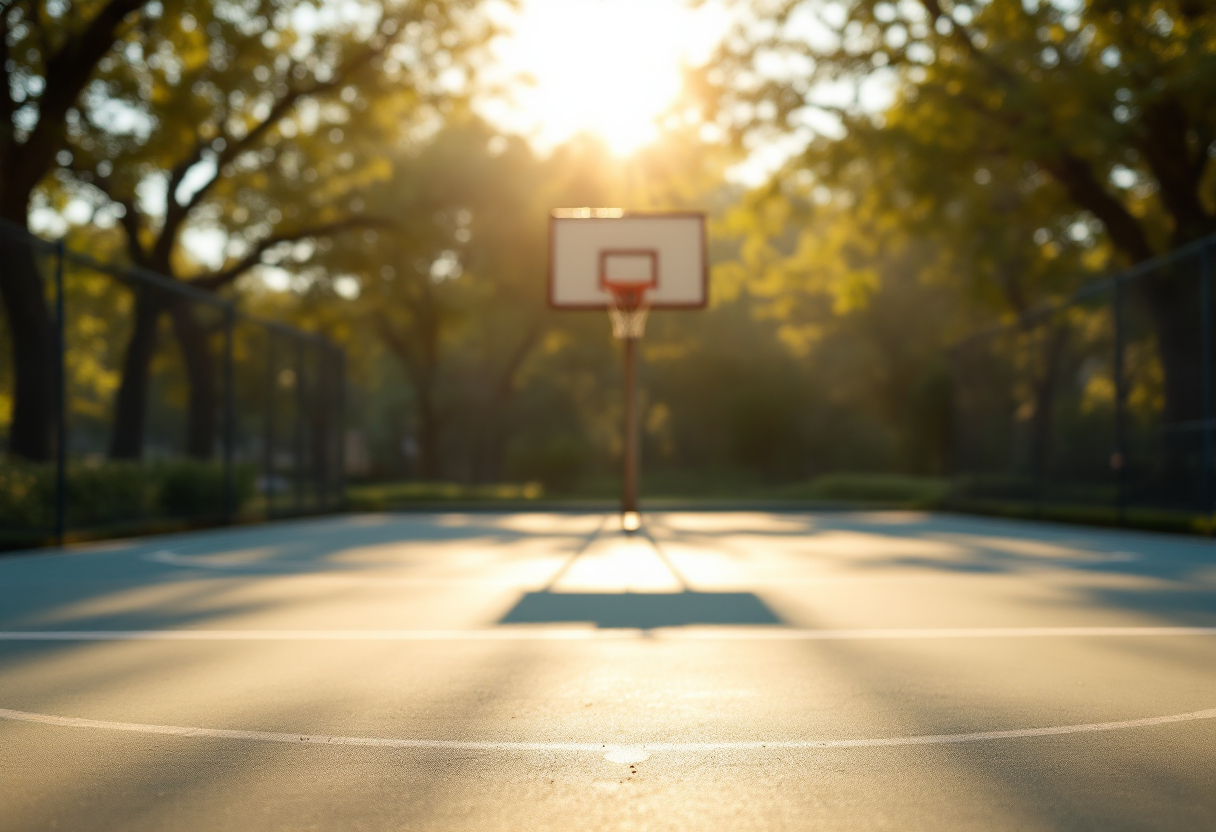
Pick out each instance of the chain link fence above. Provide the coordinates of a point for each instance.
(1099, 408)
(142, 403)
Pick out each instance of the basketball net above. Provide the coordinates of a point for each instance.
(628, 311)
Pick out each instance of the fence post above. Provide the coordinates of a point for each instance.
(1119, 458)
(340, 422)
(320, 426)
(268, 426)
(1208, 424)
(298, 471)
(229, 413)
(61, 399)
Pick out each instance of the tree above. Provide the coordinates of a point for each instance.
(241, 121)
(454, 288)
(48, 53)
(1097, 120)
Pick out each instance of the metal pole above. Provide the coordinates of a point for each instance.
(1040, 441)
(298, 472)
(268, 437)
(951, 448)
(320, 427)
(340, 429)
(229, 414)
(629, 497)
(61, 400)
(1208, 426)
(1119, 457)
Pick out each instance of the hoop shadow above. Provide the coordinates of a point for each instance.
(640, 610)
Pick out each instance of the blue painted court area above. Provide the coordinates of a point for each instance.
(716, 670)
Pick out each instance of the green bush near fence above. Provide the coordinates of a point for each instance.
(905, 491)
(384, 496)
(27, 496)
(190, 489)
(886, 489)
(110, 493)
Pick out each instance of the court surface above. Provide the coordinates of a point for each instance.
(729, 670)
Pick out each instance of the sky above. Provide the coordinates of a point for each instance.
(610, 67)
(613, 67)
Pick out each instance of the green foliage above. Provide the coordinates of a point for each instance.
(27, 494)
(113, 493)
(1157, 520)
(260, 122)
(190, 488)
(898, 489)
(1032, 139)
(383, 496)
(413, 234)
(466, 366)
(558, 463)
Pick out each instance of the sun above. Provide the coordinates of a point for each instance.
(609, 67)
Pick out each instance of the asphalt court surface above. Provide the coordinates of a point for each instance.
(728, 670)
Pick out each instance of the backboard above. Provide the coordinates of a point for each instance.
(662, 254)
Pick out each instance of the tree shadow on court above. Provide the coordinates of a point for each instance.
(993, 544)
(312, 543)
(117, 779)
(1165, 577)
(306, 544)
(1150, 777)
(641, 610)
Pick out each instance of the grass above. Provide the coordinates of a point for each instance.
(384, 496)
(1146, 519)
(902, 490)
(667, 489)
(711, 489)
(893, 490)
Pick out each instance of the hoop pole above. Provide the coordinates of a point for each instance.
(629, 496)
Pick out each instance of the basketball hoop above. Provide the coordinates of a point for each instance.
(628, 311)
(605, 258)
(627, 274)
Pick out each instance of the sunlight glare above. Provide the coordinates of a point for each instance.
(609, 67)
(619, 564)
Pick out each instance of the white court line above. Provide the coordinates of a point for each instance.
(165, 556)
(458, 745)
(758, 633)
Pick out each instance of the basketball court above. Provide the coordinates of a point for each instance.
(728, 670)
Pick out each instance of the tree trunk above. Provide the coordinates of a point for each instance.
(430, 465)
(491, 439)
(32, 333)
(202, 405)
(131, 405)
(491, 442)
(420, 359)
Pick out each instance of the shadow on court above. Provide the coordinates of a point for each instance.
(641, 610)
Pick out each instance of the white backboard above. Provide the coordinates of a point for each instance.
(664, 252)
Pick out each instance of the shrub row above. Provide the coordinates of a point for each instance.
(118, 492)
